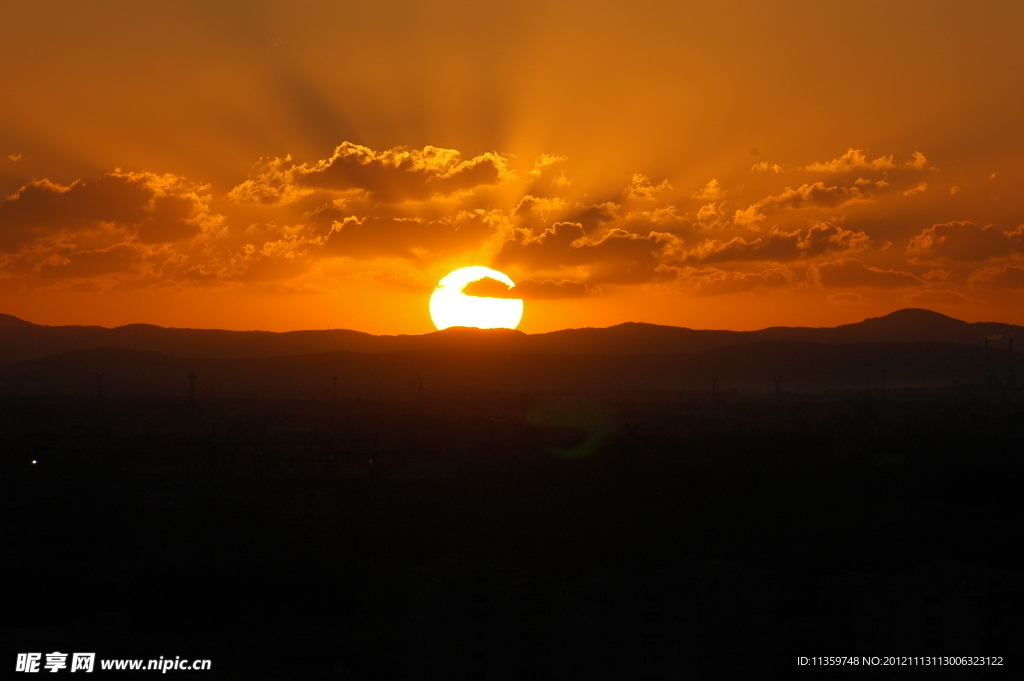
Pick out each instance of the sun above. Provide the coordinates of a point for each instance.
(449, 306)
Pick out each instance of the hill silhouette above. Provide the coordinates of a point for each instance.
(22, 341)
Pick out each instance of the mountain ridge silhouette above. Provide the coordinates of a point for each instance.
(21, 340)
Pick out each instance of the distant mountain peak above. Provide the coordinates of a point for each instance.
(912, 318)
(8, 320)
(910, 313)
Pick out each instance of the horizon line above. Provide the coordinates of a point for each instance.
(458, 329)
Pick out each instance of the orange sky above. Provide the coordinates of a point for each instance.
(310, 164)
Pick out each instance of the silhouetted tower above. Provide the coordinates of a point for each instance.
(192, 385)
(778, 388)
(99, 386)
(334, 387)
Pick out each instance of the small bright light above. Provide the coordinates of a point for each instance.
(449, 306)
(34, 461)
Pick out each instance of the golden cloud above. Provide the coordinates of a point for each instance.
(807, 195)
(855, 159)
(142, 207)
(780, 246)
(614, 257)
(640, 188)
(392, 176)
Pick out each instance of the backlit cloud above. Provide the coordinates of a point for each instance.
(780, 246)
(142, 207)
(712, 281)
(855, 159)
(764, 167)
(916, 189)
(807, 195)
(641, 188)
(617, 256)
(712, 191)
(965, 242)
(530, 289)
(395, 175)
(304, 227)
(999, 277)
(411, 238)
(851, 273)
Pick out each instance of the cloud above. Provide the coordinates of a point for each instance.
(617, 256)
(117, 259)
(529, 289)
(711, 215)
(391, 176)
(998, 277)
(640, 188)
(490, 288)
(711, 211)
(274, 184)
(780, 246)
(853, 159)
(921, 187)
(144, 207)
(965, 242)
(712, 191)
(539, 208)
(661, 219)
(846, 298)
(329, 213)
(362, 210)
(598, 215)
(917, 161)
(411, 238)
(14, 158)
(550, 289)
(544, 162)
(850, 273)
(713, 282)
(815, 195)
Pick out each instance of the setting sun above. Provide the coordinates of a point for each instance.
(449, 306)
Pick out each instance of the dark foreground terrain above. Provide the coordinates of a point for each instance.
(558, 536)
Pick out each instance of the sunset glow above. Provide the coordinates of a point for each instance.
(702, 166)
(511, 339)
